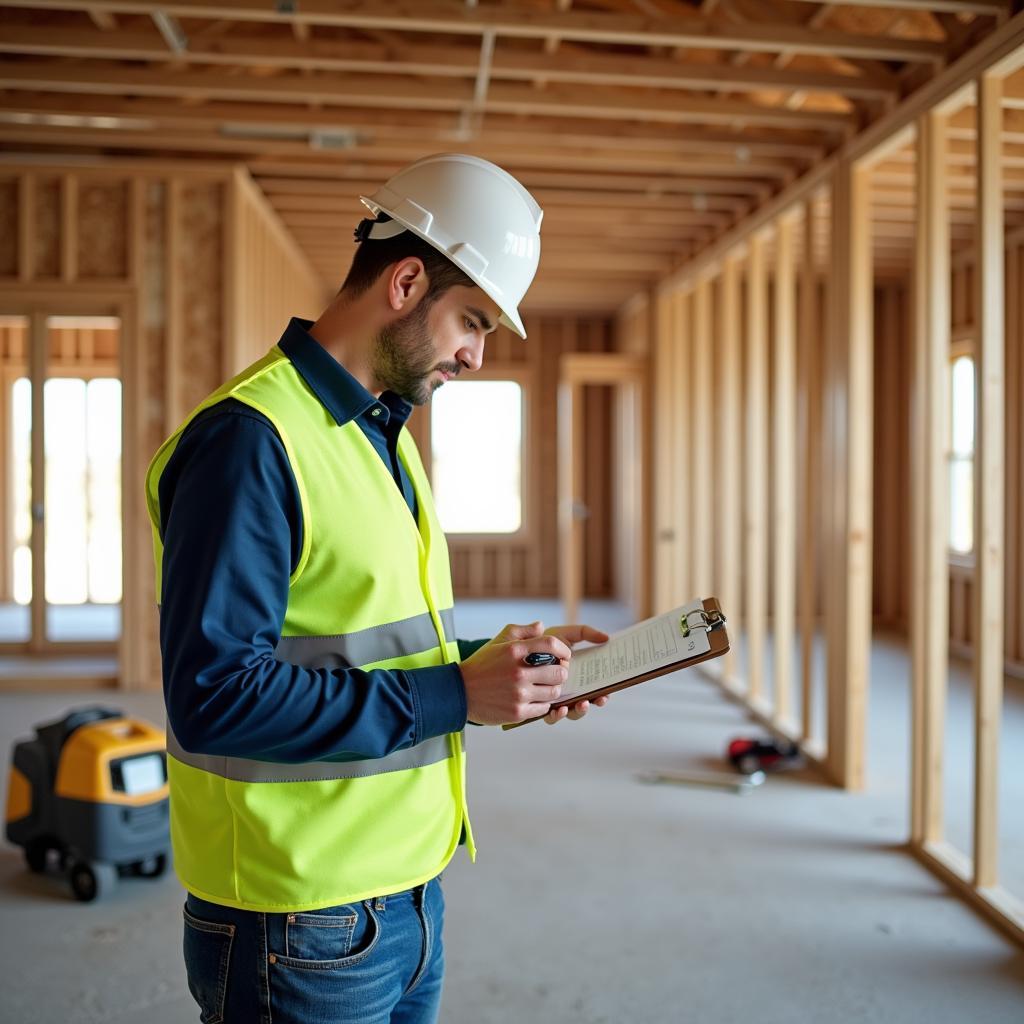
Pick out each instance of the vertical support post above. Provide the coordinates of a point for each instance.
(756, 505)
(784, 470)
(730, 529)
(850, 547)
(173, 406)
(570, 471)
(810, 407)
(699, 448)
(667, 538)
(930, 522)
(138, 602)
(989, 480)
(37, 360)
(27, 227)
(682, 492)
(69, 228)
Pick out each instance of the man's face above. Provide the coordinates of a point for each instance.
(415, 355)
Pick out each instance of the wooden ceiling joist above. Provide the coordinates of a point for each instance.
(426, 130)
(443, 62)
(514, 22)
(978, 8)
(386, 91)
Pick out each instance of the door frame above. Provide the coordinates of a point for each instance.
(67, 299)
(627, 374)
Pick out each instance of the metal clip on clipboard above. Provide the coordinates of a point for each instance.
(706, 620)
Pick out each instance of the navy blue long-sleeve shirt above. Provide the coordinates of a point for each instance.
(231, 526)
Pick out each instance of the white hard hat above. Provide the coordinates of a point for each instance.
(473, 212)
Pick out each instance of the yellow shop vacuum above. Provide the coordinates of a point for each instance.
(90, 791)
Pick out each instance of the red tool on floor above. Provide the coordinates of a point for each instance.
(749, 754)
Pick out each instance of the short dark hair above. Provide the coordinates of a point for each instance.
(374, 255)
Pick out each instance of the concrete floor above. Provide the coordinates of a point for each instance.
(597, 898)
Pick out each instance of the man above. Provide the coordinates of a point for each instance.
(316, 695)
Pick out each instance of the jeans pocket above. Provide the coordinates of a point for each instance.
(321, 935)
(207, 947)
(330, 939)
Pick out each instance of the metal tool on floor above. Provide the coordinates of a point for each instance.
(713, 780)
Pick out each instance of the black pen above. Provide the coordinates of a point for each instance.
(536, 658)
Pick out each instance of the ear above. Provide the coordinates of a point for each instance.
(407, 283)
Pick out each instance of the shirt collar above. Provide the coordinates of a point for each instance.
(344, 397)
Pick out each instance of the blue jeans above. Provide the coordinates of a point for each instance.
(376, 962)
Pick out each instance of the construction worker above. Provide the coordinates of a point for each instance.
(316, 694)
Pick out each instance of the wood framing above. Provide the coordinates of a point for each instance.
(730, 464)
(755, 503)
(989, 476)
(849, 385)
(699, 442)
(930, 593)
(624, 373)
(810, 433)
(784, 491)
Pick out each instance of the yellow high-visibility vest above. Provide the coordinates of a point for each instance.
(372, 589)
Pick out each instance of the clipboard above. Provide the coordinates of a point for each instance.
(689, 625)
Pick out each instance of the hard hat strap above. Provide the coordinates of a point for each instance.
(382, 227)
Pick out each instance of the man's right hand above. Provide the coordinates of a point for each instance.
(501, 688)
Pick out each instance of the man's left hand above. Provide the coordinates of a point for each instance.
(573, 635)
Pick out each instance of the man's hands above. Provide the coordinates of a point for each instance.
(501, 689)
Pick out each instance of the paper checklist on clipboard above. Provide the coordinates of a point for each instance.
(685, 636)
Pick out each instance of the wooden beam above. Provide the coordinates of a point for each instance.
(989, 482)
(392, 132)
(37, 359)
(174, 410)
(929, 488)
(849, 549)
(26, 227)
(682, 318)
(979, 8)
(755, 506)
(241, 50)
(809, 405)
(699, 453)
(526, 23)
(730, 526)
(664, 391)
(69, 228)
(784, 469)
(387, 91)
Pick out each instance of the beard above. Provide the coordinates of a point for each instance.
(404, 358)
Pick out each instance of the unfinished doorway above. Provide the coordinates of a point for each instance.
(60, 514)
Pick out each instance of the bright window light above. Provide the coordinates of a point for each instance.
(476, 430)
(82, 441)
(961, 456)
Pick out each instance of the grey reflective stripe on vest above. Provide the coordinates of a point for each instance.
(378, 643)
(242, 769)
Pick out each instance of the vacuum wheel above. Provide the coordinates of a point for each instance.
(37, 853)
(91, 880)
(152, 867)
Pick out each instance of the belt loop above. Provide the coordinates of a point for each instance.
(380, 903)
